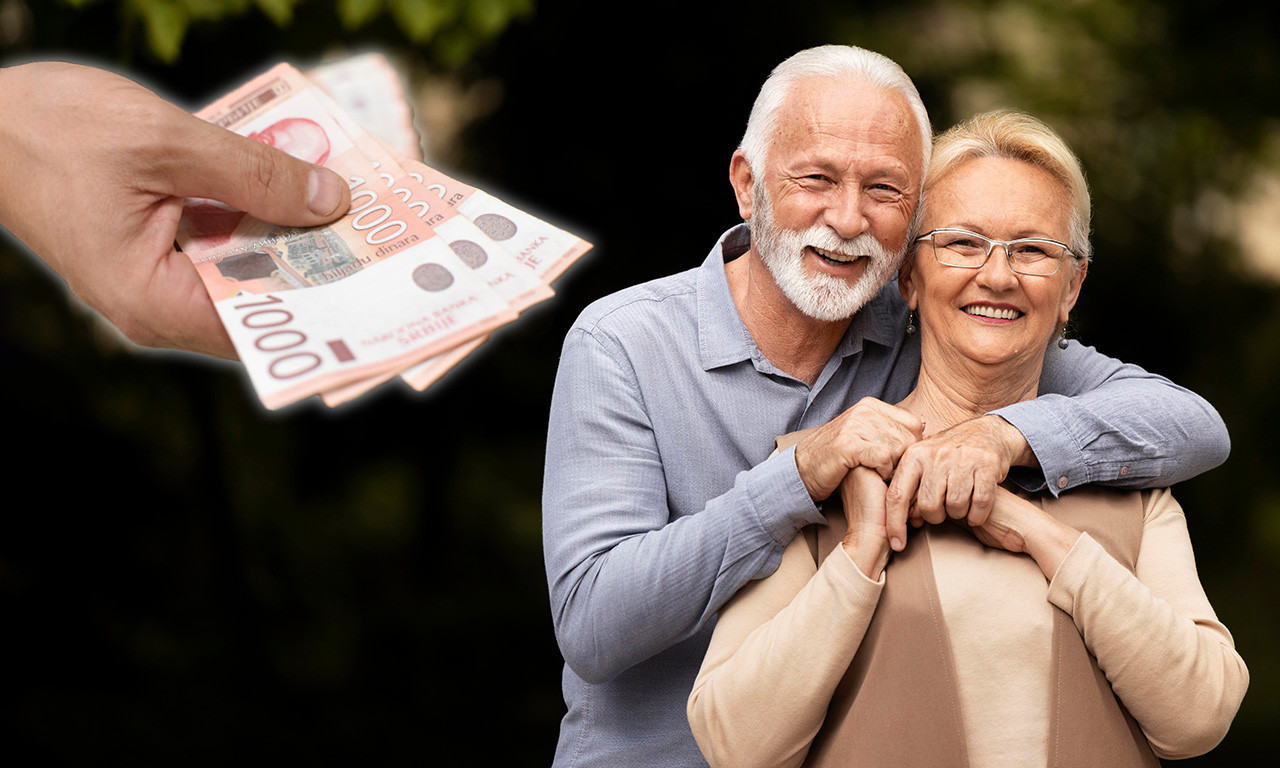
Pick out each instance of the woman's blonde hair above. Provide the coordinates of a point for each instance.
(1014, 135)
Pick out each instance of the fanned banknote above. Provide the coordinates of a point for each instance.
(511, 279)
(404, 282)
(546, 250)
(370, 90)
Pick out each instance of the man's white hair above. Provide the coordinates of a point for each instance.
(844, 62)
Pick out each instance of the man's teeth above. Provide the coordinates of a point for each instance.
(833, 256)
(992, 312)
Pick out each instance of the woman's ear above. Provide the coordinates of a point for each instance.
(1072, 291)
(907, 280)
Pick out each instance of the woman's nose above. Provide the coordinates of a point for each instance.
(998, 273)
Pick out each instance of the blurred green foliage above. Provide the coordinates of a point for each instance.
(199, 580)
(454, 27)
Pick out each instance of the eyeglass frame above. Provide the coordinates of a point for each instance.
(991, 246)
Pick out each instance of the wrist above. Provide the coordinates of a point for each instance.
(1048, 541)
(805, 461)
(869, 553)
(1016, 447)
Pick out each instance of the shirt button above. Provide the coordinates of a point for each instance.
(1124, 471)
(1062, 482)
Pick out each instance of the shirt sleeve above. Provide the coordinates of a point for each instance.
(1154, 634)
(627, 581)
(1098, 420)
(778, 652)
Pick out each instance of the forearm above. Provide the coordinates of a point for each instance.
(16, 148)
(627, 583)
(628, 575)
(1100, 421)
(1167, 657)
(774, 662)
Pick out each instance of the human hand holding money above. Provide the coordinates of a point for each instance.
(405, 284)
(93, 171)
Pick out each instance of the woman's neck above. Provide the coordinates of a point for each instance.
(953, 389)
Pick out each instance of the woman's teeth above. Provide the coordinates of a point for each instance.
(992, 312)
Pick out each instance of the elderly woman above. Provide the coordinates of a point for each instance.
(1068, 631)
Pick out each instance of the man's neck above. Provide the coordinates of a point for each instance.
(795, 343)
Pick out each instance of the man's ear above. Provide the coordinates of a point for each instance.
(743, 182)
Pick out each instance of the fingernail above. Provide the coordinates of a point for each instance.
(324, 192)
(896, 544)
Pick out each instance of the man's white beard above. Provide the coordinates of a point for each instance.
(818, 295)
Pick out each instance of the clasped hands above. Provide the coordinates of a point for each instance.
(888, 475)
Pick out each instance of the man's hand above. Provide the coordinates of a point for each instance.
(954, 474)
(871, 434)
(93, 172)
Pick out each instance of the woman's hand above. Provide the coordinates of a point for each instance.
(954, 474)
(867, 539)
(1018, 525)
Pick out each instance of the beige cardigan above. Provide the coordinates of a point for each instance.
(783, 644)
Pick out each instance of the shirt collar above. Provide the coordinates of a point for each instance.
(723, 338)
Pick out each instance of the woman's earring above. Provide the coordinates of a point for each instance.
(911, 323)
(1062, 340)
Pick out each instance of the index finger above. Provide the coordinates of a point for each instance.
(985, 483)
(906, 480)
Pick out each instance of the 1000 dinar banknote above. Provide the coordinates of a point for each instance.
(312, 310)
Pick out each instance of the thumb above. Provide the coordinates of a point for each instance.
(260, 180)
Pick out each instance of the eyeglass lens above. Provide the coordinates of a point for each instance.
(1029, 256)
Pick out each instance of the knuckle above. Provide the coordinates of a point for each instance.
(872, 454)
(263, 169)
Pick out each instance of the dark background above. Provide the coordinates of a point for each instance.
(185, 576)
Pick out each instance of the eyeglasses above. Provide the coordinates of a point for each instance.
(969, 250)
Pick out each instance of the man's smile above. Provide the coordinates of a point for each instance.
(833, 257)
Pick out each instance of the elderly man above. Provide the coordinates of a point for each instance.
(661, 496)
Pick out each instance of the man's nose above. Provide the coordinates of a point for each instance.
(847, 215)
